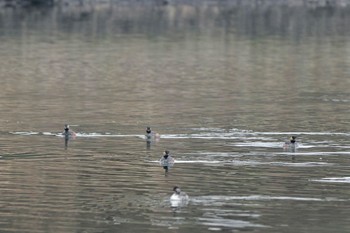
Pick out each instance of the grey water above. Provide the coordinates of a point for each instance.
(224, 83)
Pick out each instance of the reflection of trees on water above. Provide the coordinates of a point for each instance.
(243, 18)
(26, 3)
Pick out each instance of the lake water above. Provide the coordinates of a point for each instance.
(224, 84)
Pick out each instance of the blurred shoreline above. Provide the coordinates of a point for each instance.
(253, 3)
(181, 18)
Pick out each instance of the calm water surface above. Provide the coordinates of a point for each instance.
(225, 85)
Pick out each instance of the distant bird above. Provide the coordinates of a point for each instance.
(150, 135)
(166, 161)
(291, 144)
(178, 198)
(67, 132)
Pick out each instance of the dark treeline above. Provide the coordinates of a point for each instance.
(25, 3)
(252, 18)
(307, 3)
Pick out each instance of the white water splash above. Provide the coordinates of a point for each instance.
(333, 180)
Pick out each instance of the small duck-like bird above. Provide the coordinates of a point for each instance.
(291, 144)
(67, 132)
(150, 135)
(178, 198)
(166, 161)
